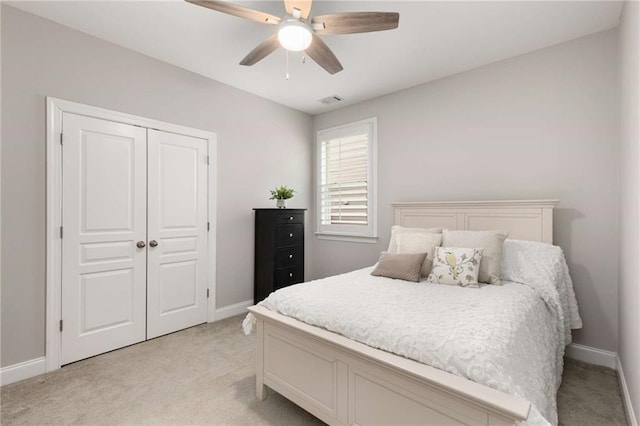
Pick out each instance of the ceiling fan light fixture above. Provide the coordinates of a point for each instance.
(294, 35)
(297, 32)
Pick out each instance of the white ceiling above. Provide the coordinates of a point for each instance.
(434, 40)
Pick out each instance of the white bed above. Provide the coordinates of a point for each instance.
(342, 380)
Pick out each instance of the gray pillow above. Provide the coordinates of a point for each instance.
(405, 266)
(490, 241)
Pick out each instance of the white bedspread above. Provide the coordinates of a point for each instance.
(509, 337)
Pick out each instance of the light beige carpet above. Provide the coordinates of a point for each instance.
(205, 375)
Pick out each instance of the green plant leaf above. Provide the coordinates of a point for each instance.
(282, 193)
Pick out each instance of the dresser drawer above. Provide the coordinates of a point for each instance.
(279, 250)
(289, 217)
(288, 276)
(289, 256)
(289, 235)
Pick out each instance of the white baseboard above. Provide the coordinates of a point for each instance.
(626, 398)
(606, 359)
(23, 370)
(232, 310)
(591, 355)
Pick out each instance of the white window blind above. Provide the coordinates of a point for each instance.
(346, 180)
(344, 186)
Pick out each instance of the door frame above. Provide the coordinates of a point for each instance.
(53, 280)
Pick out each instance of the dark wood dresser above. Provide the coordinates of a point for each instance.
(279, 250)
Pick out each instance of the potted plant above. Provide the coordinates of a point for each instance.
(280, 195)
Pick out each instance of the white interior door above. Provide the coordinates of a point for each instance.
(104, 215)
(177, 232)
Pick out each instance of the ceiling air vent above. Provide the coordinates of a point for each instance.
(331, 100)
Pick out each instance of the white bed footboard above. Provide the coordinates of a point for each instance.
(344, 382)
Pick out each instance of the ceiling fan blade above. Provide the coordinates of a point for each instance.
(235, 10)
(355, 22)
(304, 6)
(320, 52)
(261, 51)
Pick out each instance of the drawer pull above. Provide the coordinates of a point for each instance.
(290, 217)
(290, 274)
(290, 256)
(291, 235)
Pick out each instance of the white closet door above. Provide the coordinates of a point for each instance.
(177, 232)
(104, 216)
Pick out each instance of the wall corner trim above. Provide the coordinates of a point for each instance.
(232, 310)
(22, 370)
(626, 398)
(591, 355)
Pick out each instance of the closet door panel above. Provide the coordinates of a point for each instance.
(104, 216)
(177, 232)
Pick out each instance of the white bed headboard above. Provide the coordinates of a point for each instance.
(524, 219)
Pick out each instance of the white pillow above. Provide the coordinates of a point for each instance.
(419, 242)
(456, 266)
(490, 241)
(397, 229)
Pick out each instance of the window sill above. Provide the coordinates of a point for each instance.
(346, 237)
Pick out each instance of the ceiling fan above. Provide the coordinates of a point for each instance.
(296, 33)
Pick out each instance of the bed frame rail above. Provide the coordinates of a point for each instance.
(344, 382)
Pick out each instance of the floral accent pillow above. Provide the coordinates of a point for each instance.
(490, 241)
(456, 266)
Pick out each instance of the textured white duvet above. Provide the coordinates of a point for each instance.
(509, 337)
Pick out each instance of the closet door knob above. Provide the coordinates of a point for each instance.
(153, 243)
(140, 244)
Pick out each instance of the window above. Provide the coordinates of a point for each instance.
(346, 182)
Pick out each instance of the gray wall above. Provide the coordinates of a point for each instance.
(540, 125)
(629, 345)
(41, 59)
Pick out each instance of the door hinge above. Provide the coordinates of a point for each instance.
(208, 226)
(207, 293)
(208, 160)
(60, 138)
(61, 232)
(60, 325)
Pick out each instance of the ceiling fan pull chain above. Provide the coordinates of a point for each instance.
(304, 58)
(287, 65)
